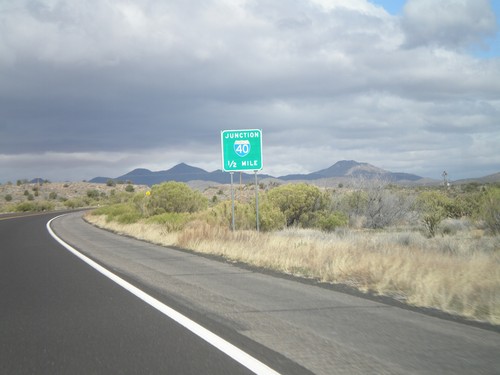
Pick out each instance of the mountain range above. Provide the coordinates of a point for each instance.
(344, 169)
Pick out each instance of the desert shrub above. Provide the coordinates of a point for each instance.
(8, 198)
(93, 194)
(331, 221)
(270, 217)
(454, 207)
(115, 197)
(218, 215)
(221, 215)
(299, 203)
(471, 187)
(129, 188)
(34, 206)
(434, 206)
(354, 203)
(172, 221)
(174, 197)
(452, 226)
(376, 205)
(128, 218)
(490, 210)
(25, 207)
(386, 207)
(75, 203)
(123, 213)
(470, 203)
(244, 216)
(53, 195)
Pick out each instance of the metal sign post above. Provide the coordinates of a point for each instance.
(242, 151)
(256, 202)
(232, 200)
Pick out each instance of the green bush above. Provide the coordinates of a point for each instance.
(173, 221)
(128, 218)
(434, 207)
(34, 206)
(129, 188)
(298, 202)
(490, 210)
(470, 203)
(75, 203)
(94, 194)
(123, 213)
(356, 202)
(333, 220)
(270, 217)
(221, 214)
(25, 207)
(174, 197)
(8, 198)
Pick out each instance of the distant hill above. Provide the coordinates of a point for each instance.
(351, 168)
(185, 173)
(181, 173)
(492, 178)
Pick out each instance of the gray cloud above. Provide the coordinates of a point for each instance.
(449, 23)
(91, 88)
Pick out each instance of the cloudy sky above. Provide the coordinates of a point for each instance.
(100, 87)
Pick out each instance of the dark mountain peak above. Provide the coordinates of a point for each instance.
(139, 171)
(345, 168)
(185, 168)
(347, 164)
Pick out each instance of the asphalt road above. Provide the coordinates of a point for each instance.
(60, 316)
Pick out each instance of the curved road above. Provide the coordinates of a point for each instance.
(58, 315)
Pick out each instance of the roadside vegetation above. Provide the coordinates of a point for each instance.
(431, 247)
(40, 196)
(426, 246)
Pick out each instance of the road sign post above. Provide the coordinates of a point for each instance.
(242, 151)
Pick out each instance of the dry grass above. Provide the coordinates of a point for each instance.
(459, 274)
(154, 233)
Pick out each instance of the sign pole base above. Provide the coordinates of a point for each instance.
(257, 201)
(232, 199)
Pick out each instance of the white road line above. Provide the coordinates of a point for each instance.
(224, 346)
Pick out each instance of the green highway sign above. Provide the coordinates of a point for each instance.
(241, 150)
